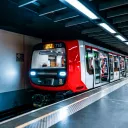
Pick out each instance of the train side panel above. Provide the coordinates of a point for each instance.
(74, 67)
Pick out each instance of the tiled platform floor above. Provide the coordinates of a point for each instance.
(109, 112)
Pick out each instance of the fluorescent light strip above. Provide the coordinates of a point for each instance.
(120, 37)
(105, 26)
(32, 1)
(126, 43)
(82, 8)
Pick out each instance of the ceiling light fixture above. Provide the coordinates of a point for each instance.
(82, 8)
(120, 37)
(126, 43)
(29, 2)
(105, 26)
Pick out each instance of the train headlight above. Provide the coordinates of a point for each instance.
(32, 73)
(62, 73)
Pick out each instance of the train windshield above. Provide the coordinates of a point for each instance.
(48, 67)
(51, 58)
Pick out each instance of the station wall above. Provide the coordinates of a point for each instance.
(13, 69)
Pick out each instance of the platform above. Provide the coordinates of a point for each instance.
(95, 108)
(110, 111)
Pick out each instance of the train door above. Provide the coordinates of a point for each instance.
(96, 67)
(126, 66)
(89, 67)
(104, 67)
(101, 68)
(122, 66)
(111, 67)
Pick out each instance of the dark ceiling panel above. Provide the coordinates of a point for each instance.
(120, 19)
(126, 33)
(112, 4)
(111, 43)
(88, 25)
(76, 22)
(123, 25)
(52, 9)
(66, 16)
(117, 12)
(102, 34)
(91, 30)
(124, 30)
(48, 2)
(106, 37)
(109, 40)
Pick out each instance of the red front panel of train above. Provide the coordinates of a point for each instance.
(56, 67)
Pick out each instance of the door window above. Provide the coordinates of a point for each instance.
(89, 61)
(122, 66)
(97, 67)
(111, 63)
(116, 63)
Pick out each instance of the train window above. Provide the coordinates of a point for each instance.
(111, 63)
(126, 65)
(122, 63)
(104, 66)
(122, 67)
(97, 67)
(89, 61)
(116, 63)
(97, 62)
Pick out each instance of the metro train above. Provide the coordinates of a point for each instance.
(73, 66)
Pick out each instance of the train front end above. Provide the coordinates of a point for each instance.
(48, 67)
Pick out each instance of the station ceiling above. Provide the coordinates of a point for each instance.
(57, 19)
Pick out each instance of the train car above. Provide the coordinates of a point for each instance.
(73, 66)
